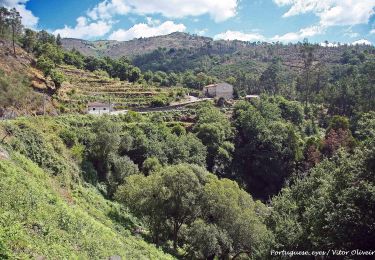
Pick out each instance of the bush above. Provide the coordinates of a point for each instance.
(32, 144)
(45, 64)
(160, 101)
(69, 137)
(57, 77)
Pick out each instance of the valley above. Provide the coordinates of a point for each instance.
(179, 146)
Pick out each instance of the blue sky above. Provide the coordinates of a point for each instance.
(345, 21)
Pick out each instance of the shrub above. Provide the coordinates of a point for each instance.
(69, 137)
(57, 77)
(160, 101)
(46, 65)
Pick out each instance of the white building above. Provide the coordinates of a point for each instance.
(97, 108)
(250, 97)
(219, 90)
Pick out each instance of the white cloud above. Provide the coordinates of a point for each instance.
(218, 10)
(29, 20)
(329, 44)
(362, 42)
(350, 33)
(146, 30)
(236, 35)
(332, 12)
(201, 32)
(300, 35)
(151, 21)
(85, 29)
(372, 31)
(109, 8)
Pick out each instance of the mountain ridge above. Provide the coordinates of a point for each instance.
(201, 45)
(136, 46)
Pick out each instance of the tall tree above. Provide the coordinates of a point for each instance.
(58, 40)
(271, 78)
(29, 40)
(16, 25)
(4, 22)
(307, 55)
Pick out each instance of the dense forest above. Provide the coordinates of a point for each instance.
(291, 170)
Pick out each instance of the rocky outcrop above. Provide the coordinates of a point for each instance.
(4, 155)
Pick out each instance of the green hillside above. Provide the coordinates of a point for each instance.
(53, 214)
(290, 167)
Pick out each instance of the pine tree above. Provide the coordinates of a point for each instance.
(58, 40)
(16, 26)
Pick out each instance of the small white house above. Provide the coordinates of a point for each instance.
(97, 108)
(251, 97)
(219, 90)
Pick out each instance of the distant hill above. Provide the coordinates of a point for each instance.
(203, 45)
(178, 52)
(134, 47)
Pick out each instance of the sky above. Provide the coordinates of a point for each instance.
(344, 21)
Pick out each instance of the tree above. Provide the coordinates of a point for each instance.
(173, 79)
(168, 199)
(317, 212)
(267, 148)
(196, 210)
(44, 37)
(291, 111)
(74, 58)
(105, 143)
(307, 55)
(16, 25)
(271, 78)
(151, 165)
(238, 217)
(207, 240)
(57, 77)
(4, 21)
(119, 168)
(58, 40)
(134, 74)
(338, 135)
(231, 80)
(365, 127)
(213, 129)
(51, 51)
(148, 75)
(45, 64)
(29, 40)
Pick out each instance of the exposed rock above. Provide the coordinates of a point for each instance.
(4, 155)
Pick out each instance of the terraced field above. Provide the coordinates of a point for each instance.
(82, 87)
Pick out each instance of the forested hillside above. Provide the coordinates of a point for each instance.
(291, 168)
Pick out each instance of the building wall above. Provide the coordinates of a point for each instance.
(211, 92)
(224, 90)
(98, 110)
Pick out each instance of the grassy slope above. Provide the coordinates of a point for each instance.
(61, 218)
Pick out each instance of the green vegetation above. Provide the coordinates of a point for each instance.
(204, 208)
(46, 210)
(292, 169)
(155, 169)
(333, 200)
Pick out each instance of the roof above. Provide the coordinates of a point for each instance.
(97, 104)
(252, 96)
(210, 86)
(215, 85)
